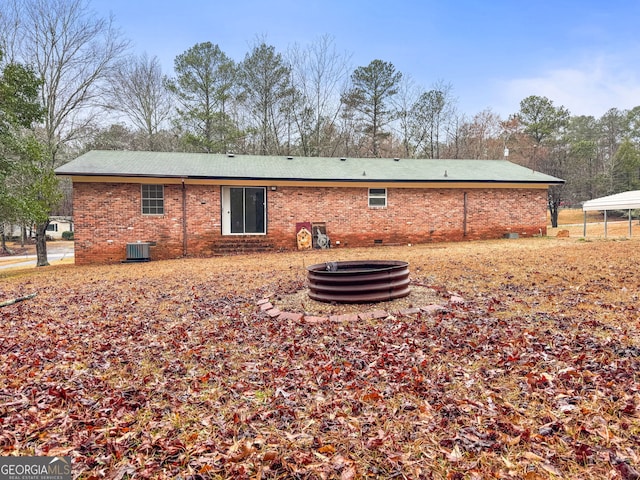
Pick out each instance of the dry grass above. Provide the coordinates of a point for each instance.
(573, 221)
(168, 369)
(568, 216)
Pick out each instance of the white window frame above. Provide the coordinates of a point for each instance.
(151, 205)
(377, 198)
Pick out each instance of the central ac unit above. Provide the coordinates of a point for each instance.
(138, 252)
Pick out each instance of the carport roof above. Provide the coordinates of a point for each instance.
(620, 201)
(323, 169)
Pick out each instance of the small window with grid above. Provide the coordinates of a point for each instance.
(153, 199)
(377, 197)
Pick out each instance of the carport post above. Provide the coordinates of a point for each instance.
(584, 227)
(629, 223)
(605, 224)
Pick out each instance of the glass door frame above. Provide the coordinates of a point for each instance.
(231, 215)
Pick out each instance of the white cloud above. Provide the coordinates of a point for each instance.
(590, 88)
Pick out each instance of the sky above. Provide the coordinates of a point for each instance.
(581, 54)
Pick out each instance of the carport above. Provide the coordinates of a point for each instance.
(619, 201)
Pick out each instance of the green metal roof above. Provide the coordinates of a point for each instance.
(253, 167)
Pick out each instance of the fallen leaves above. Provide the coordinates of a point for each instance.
(172, 369)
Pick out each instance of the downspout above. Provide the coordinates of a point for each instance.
(464, 219)
(184, 219)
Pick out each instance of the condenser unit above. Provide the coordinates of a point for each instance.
(138, 252)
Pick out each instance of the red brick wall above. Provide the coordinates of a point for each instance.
(411, 216)
(108, 216)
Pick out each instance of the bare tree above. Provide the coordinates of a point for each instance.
(319, 75)
(480, 137)
(9, 29)
(454, 144)
(137, 90)
(612, 133)
(430, 116)
(407, 96)
(73, 52)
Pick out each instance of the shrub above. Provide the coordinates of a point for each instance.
(67, 235)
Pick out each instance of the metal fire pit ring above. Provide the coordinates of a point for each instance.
(363, 281)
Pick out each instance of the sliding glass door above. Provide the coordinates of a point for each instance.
(243, 210)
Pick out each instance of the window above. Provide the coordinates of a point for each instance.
(153, 199)
(52, 227)
(377, 197)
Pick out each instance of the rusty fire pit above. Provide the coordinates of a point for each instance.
(365, 281)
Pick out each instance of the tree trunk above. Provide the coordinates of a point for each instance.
(554, 216)
(41, 244)
(3, 248)
(554, 206)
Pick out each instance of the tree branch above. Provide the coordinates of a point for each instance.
(16, 300)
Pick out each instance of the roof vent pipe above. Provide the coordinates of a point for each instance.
(396, 159)
(289, 158)
(343, 159)
(230, 155)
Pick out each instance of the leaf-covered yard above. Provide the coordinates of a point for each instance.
(170, 370)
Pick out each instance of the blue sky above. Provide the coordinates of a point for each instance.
(584, 54)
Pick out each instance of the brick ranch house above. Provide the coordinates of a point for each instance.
(193, 205)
